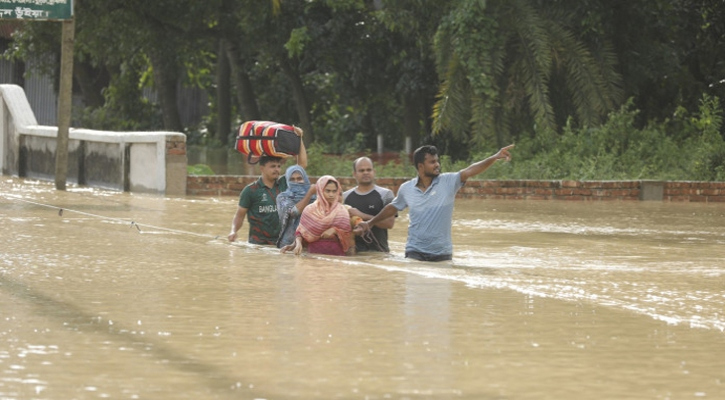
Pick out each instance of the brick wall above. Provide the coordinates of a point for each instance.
(680, 191)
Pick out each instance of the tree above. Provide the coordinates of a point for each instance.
(505, 66)
(670, 51)
(411, 27)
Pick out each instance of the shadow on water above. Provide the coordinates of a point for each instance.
(74, 319)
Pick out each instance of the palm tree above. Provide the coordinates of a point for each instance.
(507, 66)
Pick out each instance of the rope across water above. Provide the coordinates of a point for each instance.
(132, 223)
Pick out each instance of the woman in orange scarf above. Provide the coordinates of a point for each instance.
(325, 224)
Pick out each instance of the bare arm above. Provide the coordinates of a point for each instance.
(386, 223)
(388, 212)
(237, 223)
(306, 200)
(302, 157)
(479, 167)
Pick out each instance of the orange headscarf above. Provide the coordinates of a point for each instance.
(322, 215)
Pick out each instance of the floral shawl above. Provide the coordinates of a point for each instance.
(321, 215)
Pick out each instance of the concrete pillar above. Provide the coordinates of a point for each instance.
(651, 190)
(176, 165)
(4, 125)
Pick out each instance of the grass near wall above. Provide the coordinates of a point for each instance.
(687, 147)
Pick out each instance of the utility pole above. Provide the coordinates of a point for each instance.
(65, 99)
(59, 10)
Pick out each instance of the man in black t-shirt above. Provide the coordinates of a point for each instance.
(367, 199)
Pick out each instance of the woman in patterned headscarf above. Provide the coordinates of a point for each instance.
(290, 204)
(325, 224)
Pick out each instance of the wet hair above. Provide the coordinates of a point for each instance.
(265, 159)
(357, 160)
(420, 152)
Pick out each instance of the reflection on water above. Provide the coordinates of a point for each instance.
(115, 295)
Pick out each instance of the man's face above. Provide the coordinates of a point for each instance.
(364, 173)
(271, 170)
(430, 167)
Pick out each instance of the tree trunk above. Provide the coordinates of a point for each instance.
(223, 94)
(18, 77)
(412, 115)
(91, 82)
(166, 79)
(298, 94)
(245, 92)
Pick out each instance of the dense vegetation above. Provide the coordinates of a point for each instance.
(587, 89)
(686, 147)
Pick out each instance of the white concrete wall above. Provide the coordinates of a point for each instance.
(145, 168)
(148, 150)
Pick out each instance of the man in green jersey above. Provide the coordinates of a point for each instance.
(258, 200)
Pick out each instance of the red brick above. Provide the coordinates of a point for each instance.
(591, 184)
(609, 185)
(582, 192)
(674, 191)
(545, 192)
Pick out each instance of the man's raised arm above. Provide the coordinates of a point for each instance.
(477, 168)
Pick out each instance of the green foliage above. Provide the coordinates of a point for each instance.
(125, 108)
(618, 150)
(297, 41)
(199, 169)
(400, 168)
(514, 66)
(319, 162)
(545, 75)
(707, 142)
(687, 147)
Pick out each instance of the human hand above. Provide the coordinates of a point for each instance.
(504, 153)
(232, 236)
(361, 228)
(295, 247)
(298, 131)
(328, 233)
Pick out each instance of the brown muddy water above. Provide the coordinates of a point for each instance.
(122, 296)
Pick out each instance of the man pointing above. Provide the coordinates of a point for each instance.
(430, 197)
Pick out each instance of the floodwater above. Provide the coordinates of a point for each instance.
(115, 295)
